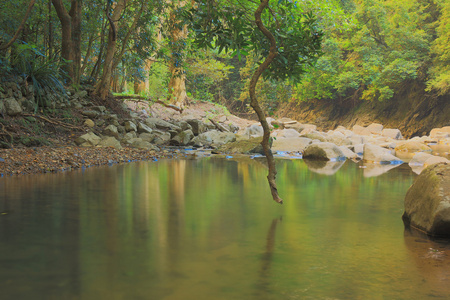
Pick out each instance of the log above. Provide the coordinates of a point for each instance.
(219, 127)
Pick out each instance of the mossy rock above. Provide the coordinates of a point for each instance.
(427, 202)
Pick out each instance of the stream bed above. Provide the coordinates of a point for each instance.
(208, 229)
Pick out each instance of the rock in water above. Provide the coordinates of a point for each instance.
(427, 202)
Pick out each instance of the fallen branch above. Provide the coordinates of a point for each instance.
(218, 126)
(139, 98)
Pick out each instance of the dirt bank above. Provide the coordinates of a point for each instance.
(412, 110)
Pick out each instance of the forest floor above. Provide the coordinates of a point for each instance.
(50, 148)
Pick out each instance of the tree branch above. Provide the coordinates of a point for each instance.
(21, 26)
(254, 101)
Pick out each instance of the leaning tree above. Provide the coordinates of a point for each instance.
(279, 33)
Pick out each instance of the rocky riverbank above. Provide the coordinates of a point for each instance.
(83, 132)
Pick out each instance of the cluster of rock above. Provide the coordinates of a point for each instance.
(373, 144)
(141, 131)
(17, 97)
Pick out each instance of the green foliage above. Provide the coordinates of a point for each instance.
(270, 92)
(229, 26)
(380, 46)
(36, 68)
(158, 81)
(440, 49)
(205, 72)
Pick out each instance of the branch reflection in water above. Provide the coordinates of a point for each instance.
(263, 285)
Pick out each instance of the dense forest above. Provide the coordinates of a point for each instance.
(370, 49)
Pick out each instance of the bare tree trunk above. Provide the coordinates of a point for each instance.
(254, 101)
(21, 26)
(103, 87)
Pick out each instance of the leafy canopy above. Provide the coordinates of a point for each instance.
(229, 26)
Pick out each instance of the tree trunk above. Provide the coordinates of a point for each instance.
(75, 14)
(70, 37)
(177, 84)
(66, 35)
(21, 26)
(103, 87)
(255, 105)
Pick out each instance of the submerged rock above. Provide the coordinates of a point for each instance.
(427, 202)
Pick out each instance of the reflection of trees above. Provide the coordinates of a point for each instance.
(176, 211)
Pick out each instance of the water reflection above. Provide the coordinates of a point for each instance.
(432, 260)
(265, 278)
(324, 167)
(205, 229)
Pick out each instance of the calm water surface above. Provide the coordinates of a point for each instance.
(208, 229)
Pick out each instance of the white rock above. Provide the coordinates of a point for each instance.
(392, 133)
(291, 144)
(377, 154)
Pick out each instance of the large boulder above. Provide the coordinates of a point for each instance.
(291, 144)
(412, 146)
(375, 128)
(349, 154)
(377, 154)
(160, 137)
(338, 138)
(254, 130)
(141, 128)
(183, 138)
(110, 142)
(214, 138)
(141, 144)
(314, 135)
(323, 151)
(155, 123)
(88, 140)
(442, 132)
(427, 202)
(360, 130)
(287, 133)
(130, 126)
(13, 107)
(111, 130)
(245, 146)
(392, 133)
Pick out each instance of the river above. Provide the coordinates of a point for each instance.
(208, 229)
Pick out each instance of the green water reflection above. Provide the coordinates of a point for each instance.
(208, 229)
